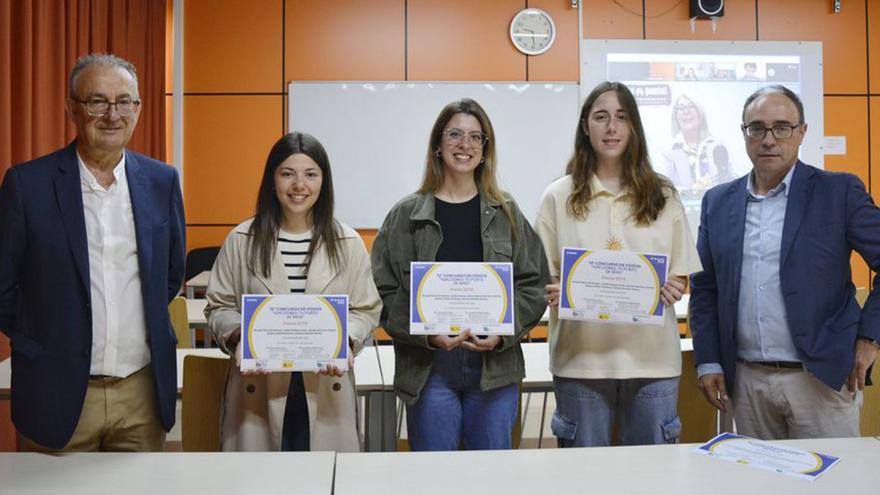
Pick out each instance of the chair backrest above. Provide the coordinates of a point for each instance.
(200, 260)
(204, 379)
(180, 322)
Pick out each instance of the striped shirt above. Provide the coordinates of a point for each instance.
(293, 253)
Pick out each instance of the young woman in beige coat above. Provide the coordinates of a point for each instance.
(267, 255)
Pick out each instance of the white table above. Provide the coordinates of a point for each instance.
(195, 313)
(538, 379)
(161, 473)
(368, 376)
(672, 469)
(535, 354)
(199, 282)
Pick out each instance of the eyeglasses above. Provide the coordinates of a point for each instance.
(684, 108)
(455, 136)
(98, 107)
(779, 131)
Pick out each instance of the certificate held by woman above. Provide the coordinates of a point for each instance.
(448, 298)
(612, 286)
(290, 332)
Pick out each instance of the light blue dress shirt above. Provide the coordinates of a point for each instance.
(762, 325)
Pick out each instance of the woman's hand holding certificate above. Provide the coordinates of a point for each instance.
(295, 333)
(613, 286)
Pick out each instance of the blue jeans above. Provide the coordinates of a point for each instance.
(645, 411)
(452, 410)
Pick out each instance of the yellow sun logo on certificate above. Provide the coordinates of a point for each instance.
(614, 243)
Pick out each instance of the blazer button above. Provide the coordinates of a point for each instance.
(337, 387)
(251, 389)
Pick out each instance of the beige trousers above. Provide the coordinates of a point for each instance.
(774, 404)
(118, 415)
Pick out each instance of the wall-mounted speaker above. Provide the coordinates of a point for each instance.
(707, 8)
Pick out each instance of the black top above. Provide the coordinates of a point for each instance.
(460, 224)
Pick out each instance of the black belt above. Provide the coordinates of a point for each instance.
(105, 378)
(788, 365)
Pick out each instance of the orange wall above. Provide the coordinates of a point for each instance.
(238, 64)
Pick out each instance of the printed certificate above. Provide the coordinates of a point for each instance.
(768, 455)
(449, 298)
(294, 332)
(612, 286)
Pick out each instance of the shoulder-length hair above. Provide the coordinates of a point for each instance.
(646, 187)
(676, 128)
(267, 217)
(484, 174)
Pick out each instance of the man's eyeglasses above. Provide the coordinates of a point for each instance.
(779, 131)
(454, 136)
(98, 107)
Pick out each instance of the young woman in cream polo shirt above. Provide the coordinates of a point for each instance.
(613, 199)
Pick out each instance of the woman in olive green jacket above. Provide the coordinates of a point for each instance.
(463, 388)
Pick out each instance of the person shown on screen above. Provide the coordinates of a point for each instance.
(775, 320)
(91, 253)
(458, 389)
(291, 245)
(613, 199)
(750, 72)
(697, 160)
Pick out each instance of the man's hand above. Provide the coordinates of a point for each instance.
(715, 391)
(866, 353)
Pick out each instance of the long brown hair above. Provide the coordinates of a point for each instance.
(267, 218)
(484, 174)
(646, 187)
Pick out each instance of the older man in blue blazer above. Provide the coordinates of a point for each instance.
(91, 252)
(773, 313)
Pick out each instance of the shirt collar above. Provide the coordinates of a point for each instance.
(599, 189)
(782, 187)
(89, 179)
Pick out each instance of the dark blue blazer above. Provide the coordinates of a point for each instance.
(45, 290)
(828, 215)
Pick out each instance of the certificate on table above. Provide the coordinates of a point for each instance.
(450, 297)
(612, 286)
(294, 332)
(768, 455)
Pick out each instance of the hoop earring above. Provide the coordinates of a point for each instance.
(437, 153)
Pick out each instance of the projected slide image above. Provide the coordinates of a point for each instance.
(691, 109)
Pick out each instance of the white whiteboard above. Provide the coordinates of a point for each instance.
(376, 134)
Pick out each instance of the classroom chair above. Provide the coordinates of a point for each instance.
(200, 260)
(204, 380)
(870, 417)
(180, 322)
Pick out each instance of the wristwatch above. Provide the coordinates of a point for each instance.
(871, 341)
